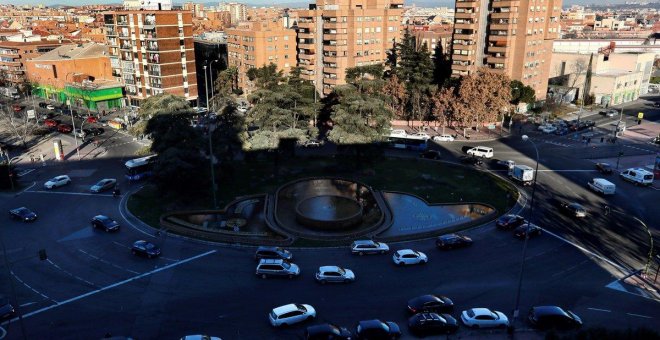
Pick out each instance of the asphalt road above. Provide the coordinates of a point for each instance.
(91, 284)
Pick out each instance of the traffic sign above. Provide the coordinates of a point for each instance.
(640, 115)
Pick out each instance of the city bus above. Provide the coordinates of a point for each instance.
(407, 142)
(140, 168)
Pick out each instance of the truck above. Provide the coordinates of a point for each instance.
(522, 173)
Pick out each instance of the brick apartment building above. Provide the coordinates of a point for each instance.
(337, 34)
(511, 36)
(255, 44)
(152, 52)
(14, 54)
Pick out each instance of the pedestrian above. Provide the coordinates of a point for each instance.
(601, 139)
(588, 140)
(31, 159)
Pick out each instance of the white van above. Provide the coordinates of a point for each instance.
(602, 186)
(481, 151)
(638, 176)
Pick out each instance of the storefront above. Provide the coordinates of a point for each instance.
(102, 97)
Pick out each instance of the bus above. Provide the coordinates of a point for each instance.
(140, 168)
(407, 142)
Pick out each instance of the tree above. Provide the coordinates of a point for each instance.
(358, 118)
(226, 83)
(18, 124)
(441, 65)
(522, 93)
(395, 91)
(265, 77)
(444, 107)
(158, 105)
(354, 75)
(414, 67)
(392, 60)
(482, 97)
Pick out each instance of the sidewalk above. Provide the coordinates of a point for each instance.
(638, 284)
(482, 135)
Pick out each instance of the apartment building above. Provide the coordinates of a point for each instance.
(237, 12)
(14, 54)
(510, 36)
(334, 35)
(152, 52)
(255, 44)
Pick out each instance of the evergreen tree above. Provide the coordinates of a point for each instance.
(441, 65)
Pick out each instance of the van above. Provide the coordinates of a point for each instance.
(602, 186)
(481, 151)
(638, 176)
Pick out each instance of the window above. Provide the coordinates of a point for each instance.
(286, 37)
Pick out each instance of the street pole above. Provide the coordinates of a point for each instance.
(206, 89)
(73, 123)
(215, 199)
(516, 310)
(211, 74)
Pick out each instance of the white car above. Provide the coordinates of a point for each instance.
(484, 318)
(409, 256)
(334, 274)
(362, 247)
(80, 133)
(50, 107)
(398, 132)
(57, 182)
(292, 313)
(549, 129)
(420, 135)
(444, 138)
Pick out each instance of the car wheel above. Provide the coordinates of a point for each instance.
(382, 252)
(263, 276)
(360, 253)
(133, 252)
(400, 263)
(322, 282)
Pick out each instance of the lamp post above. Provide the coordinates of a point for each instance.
(73, 123)
(211, 74)
(516, 311)
(206, 88)
(211, 157)
(9, 174)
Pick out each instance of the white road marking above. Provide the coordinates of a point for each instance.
(29, 287)
(122, 203)
(623, 270)
(570, 268)
(28, 188)
(69, 273)
(121, 245)
(168, 259)
(114, 285)
(24, 172)
(638, 315)
(107, 262)
(26, 304)
(600, 310)
(69, 193)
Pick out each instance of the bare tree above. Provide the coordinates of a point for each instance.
(571, 79)
(18, 125)
(484, 96)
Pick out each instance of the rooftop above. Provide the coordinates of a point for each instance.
(614, 73)
(73, 51)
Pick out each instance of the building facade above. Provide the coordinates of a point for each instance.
(512, 37)
(13, 56)
(237, 12)
(152, 52)
(210, 60)
(256, 44)
(334, 35)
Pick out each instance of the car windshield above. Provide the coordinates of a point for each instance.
(286, 265)
(101, 183)
(23, 211)
(341, 270)
(301, 308)
(54, 179)
(149, 246)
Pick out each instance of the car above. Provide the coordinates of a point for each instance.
(430, 303)
(103, 185)
(471, 160)
(553, 317)
(24, 214)
(528, 230)
(91, 120)
(362, 247)
(656, 104)
(277, 267)
(509, 221)
(94, 131)
(7, 311)
(191, 337)
(507, 164)
(443, 138)
(604, 168)
(51, 122)
(64, 128)
(57, 181)
(452, 241)
(430, 154)
(561, 131)
(589, 123)
(105, 223)
(409, 256)
(484, 318)
(481, 151)
(334, 274)
(264, 252)
(50, 107)
(608, 113)
(43, 105)
(327, 331)
(376, 329)
(420, 135)
(549, 129)
(17, 108)
(290, 314)
(398, 132)
(312, 144)
(144, 248)
(572, 208)
(425, 324)
(80, 133)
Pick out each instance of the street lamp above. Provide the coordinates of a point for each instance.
(516, 311)
(73, 123)
(211, 74)
(206, 88)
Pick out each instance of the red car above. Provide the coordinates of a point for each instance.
(17, 108)
(64, 128)
(50, 122)
(92, 120)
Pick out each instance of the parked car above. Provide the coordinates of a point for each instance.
(509, 221)
(275, 267)
(484, 318)
(57, 181)
(608, 113)
(549, 317)
(430, 154)
(7, 311)
(589, 123)
(91, 119)
(24, 214)
(638, 176)
(528, 230)
(43, 105)
(506, 164)
(425, 324)
(362, 247)
(376, 329)
(51, 123)
(604, 168)
(409, 256)
(453, 241)
(290, 314)
(312, 144)
(64, 128)
(17, 108)
(94, 131)
(548, 129)
(50, 107)
(430, 303)
(334, 274)
(265, 252)
(80, 133)
(105, 223)
(420, 135)
(472, 160)
(443, 138)
(573, 209)
(103, 185)
(327, 331)
(144, 248)
(561, 131)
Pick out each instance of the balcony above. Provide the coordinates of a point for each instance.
(461, 57)
(465, 15)
(464, 68)
(111, 33)
(467, 4)
(309, 47)
(503, 15)
(498, 37)
(5, 61)
(150, 35)
(157, 85)
(495, 60)
(122, 23)
(126, 47)
(306, 56)
(469, 26)
(505, 3)
(499, 27)
(307, 35)
(152, 46)
(464, 36)
(498, 49)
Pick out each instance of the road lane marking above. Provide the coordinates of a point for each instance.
(26, 304)
(28, 188)
(24, 172)
(600, 310)
(168, 259)
(619, 267)
(70, 274)
(121, 245)
(69, 193)
(122, 203)
(114, 285)
(30, 287)
(107, 262)
(639, 315)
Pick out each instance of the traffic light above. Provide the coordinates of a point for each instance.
(42, 255)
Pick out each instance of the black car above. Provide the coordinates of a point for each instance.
(327, 331)
(272, 253)
(528, 230)
(376, 329)
(7, 311)
(105, 223)
(430, 303)
(430, 154)
(24, 214)
(509, 221)
(144, 248)
(424, 324)
(589, 123)
(656, 104)
(43, 105)
(604, 168)
(93, 131)
(452, 241)
(549, 317)
(573, 209)
(471, 160)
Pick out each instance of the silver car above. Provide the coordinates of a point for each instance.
(334, 274)
(57, 182)
(103, 185)
(362, 247)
